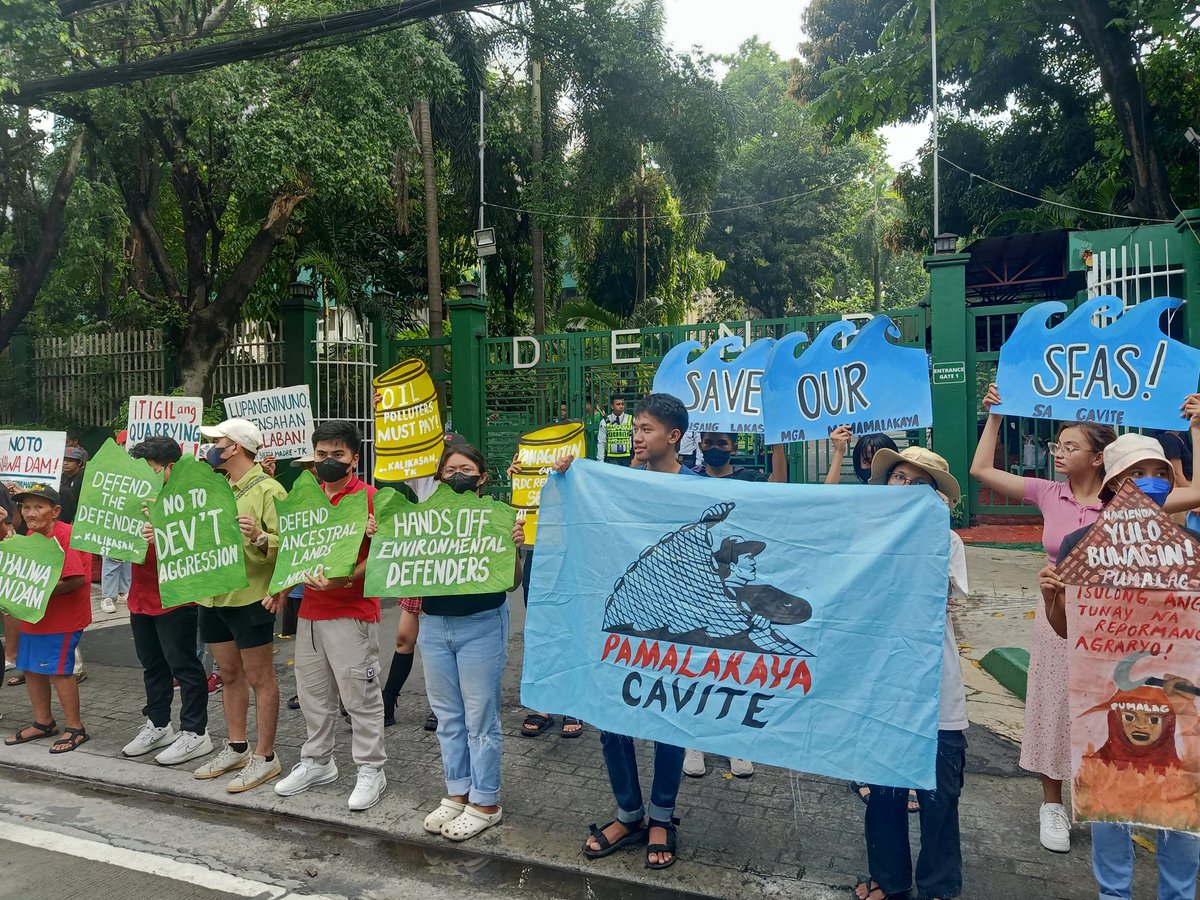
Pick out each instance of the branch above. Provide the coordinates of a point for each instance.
(216, 18)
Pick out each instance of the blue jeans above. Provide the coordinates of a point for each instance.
(114, 577)
(464, 657)
(1112, 862)
(621, 760)
(939, 865)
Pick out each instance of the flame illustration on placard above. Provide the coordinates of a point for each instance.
(1129, 372)
(720, 394)
(871, 384)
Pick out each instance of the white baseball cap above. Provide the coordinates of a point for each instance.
(242, 432)
(1129, 449)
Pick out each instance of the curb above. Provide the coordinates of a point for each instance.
(1010, 667)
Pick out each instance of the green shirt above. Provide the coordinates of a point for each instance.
(255, 493)
(591, 431)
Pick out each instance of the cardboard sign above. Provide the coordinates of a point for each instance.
(450, 544)
(537, 452)
(111, 515)
(179, 418)
(283, 415)
(30, 566)
(1129, 373)
(871, 385)
(720, 394)
(196, 536)
(1133, 637)
(32, 457)
(735, 620)
(408, 426)
(316, 537)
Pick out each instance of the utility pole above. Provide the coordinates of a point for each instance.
(535, 228)
(937, 218)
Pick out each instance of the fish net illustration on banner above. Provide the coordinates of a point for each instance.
(684, 589)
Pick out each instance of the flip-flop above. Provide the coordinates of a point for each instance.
(16, 680)
(470, 823)
(46, 731)
(636, 836)
(536, 724)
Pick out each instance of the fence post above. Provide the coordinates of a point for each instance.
(387, 354)
(953, 384)
(1187, 223)
(468, 328)
(26, 400)
(298, 321)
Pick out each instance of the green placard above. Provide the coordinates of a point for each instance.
(30, 566)
(949, 373)
(450, 544)
(196, 536)
(315, 536)
(111, 515)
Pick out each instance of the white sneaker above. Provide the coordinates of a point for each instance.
(368, 789)
(258, 770)
(151, 737)
(187, 745)
(225, 761)
(1056, 827)
(740, 768)
(305, 774)
(108, 605)
(123, 598)
(693, 764)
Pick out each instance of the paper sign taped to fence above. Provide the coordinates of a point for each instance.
(871, 385)
(179, 418)
(283, 415)
(408, 426)
(1133, 636)
(537, 451)
(720, 394)
(450, 544)
(110, 517)
(316, 537)
(1129, 373)
(32, 457)
(748, 620)
(30, 567)
(197, 541)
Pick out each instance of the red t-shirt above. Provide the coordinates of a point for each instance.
(344, 602)
(144, 599)
(67, 612)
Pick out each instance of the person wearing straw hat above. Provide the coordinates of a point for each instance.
(939, 864)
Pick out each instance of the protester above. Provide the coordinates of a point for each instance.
(889, 857)
(165, 643)
(1140, 459)
(8, 515)
(659, 421)
(864, 452)
(402, 660)
(464, 646)
(615, 441)
(236, 626)
(114, 573)
(73, 464)
(289, 600)
(46, 650)
(1065, 506)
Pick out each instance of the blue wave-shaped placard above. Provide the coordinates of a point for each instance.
(1129, 372)
(720, 394)
(871, 384)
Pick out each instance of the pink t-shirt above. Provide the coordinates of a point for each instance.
(1060, 511)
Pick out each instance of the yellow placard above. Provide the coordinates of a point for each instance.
(408, 425)
(537, 451)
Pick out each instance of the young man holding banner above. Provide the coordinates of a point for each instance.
(337, 645)
(239, 631)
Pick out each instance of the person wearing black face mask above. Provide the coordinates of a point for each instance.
(718, 447)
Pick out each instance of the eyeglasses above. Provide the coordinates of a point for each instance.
(901, 478)
(451, 471)
(1067, 449)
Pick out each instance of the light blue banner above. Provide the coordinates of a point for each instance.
(794, 625)
(1128, 373)
(872, 385)
(720, 394)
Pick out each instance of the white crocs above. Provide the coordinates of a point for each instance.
(446, 811)
(470, 823)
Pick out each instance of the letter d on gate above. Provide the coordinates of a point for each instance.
(516, 352)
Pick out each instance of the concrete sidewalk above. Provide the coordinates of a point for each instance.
(776, 834)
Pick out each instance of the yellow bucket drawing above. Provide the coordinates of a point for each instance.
(408, 425)
(537, 451)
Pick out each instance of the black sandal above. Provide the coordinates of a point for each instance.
(571, 720)
(672, 828)
(46, 731)
(857, 788)
(636, 836)
(535, 724)
(875, 892)
(72, 739)
(431, 722)
(16, 680)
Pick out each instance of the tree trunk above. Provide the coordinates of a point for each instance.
(433, 255)
(876, 281)
(539, 252)
(33, 275)
(1114, 52)
(210, 326)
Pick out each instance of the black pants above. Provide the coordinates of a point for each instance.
(939, 865)
(166, 648)
(291, 616)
